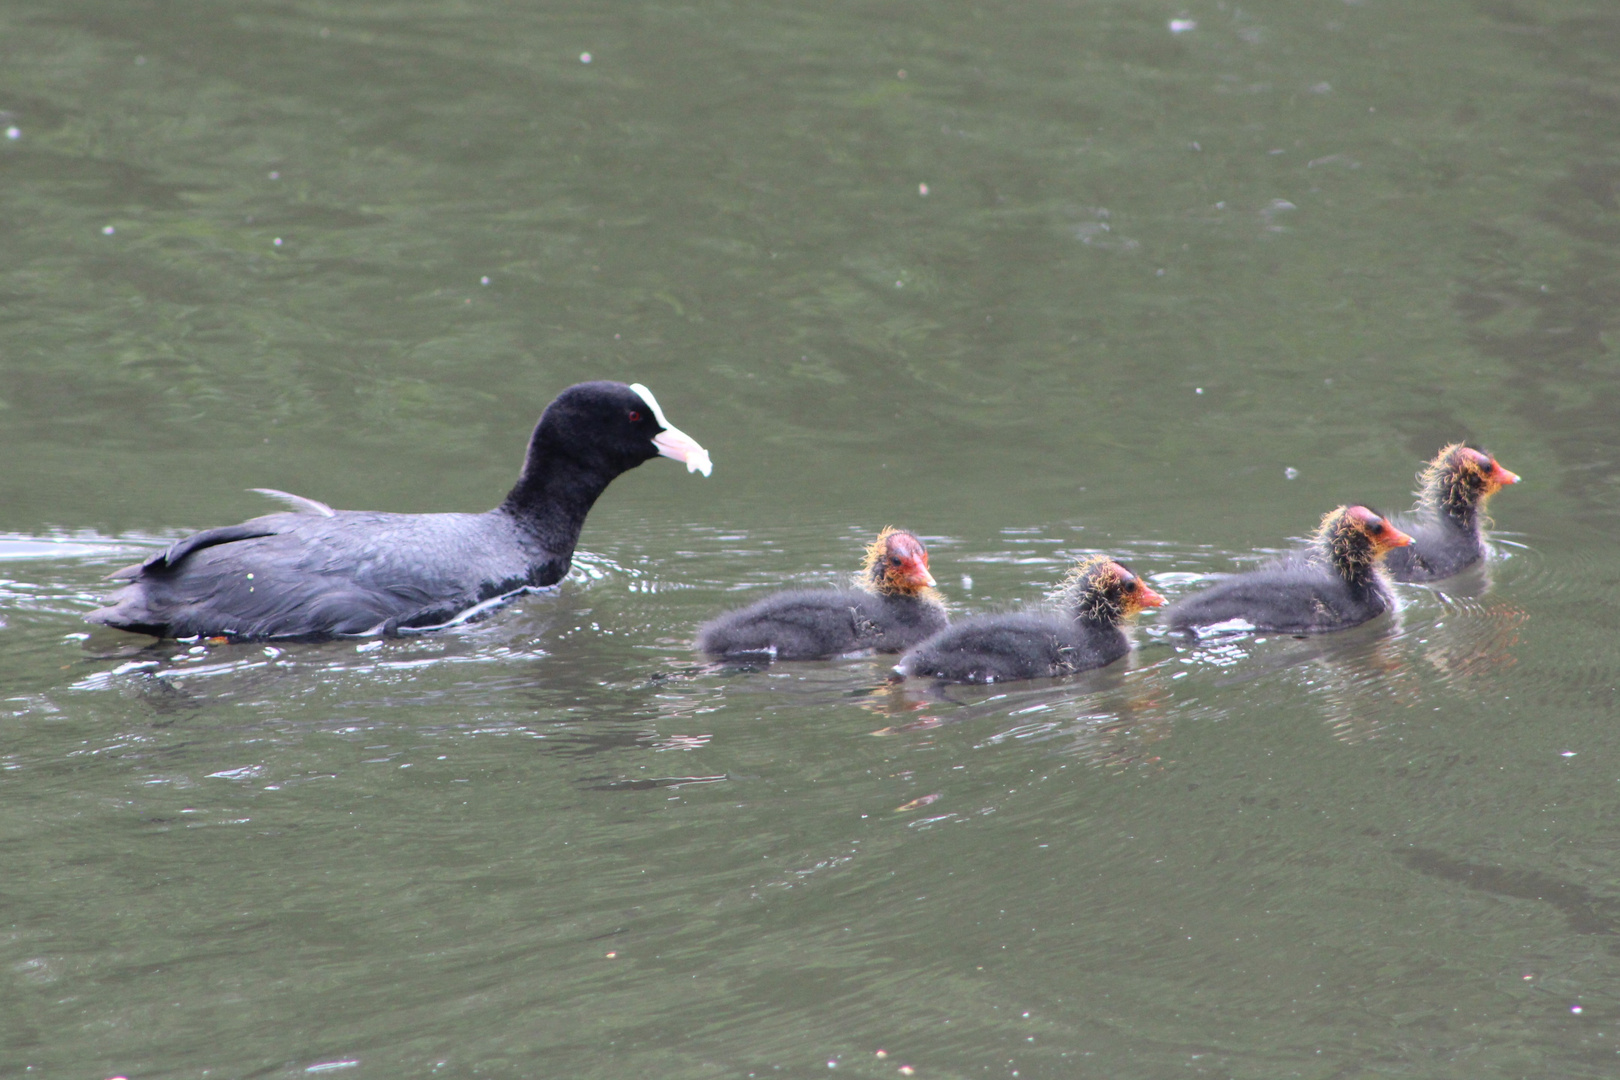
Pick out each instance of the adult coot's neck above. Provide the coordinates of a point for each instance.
(551, 498)
(590, 434)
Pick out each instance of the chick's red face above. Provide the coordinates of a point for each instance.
(1495, 476)
(1383, 535)
(906, 562)
(1489, 474)
(1134, 593)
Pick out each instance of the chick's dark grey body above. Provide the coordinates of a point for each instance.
(895, 607)
(1446, 526)
(806, 624)
(1442, 546)
(1083, 632)
(1299, 595)
(1335, 584)
(1021, 645)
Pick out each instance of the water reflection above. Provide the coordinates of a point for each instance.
(1586, 911)
(1108, 716)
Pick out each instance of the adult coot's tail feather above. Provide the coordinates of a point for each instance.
(298, 502)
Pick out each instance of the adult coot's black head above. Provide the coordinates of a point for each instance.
(608, 427)
(591, 433)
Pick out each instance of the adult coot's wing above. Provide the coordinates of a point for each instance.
(170, 557)
(225, 534)
(305, 575)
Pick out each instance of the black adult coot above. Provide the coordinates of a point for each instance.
(1095, 599)
(1335, 583)
(1445, 524)
(318, 572)
(894, 607)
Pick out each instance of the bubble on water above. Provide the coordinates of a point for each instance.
(584, 57)
(1291, 472)
(484, 280)
(13, 132)
(277, 241)
(922, 189)
(107, 230)
(1182, 26)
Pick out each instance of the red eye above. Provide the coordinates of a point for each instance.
(635, 417)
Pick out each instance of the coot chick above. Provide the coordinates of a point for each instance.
(1445, 524)
(1334, 584)
(1096, 597)
(894, 607)
(316, 572)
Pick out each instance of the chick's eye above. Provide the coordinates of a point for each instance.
(635, 417)
(1376, 527)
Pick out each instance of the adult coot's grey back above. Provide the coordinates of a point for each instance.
(316, 572)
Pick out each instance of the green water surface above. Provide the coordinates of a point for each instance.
(1033, 279)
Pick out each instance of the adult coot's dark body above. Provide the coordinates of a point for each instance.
(1097, 596)
(895, 606)
(1335, 584)
(1445, 524)
(317, 572)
